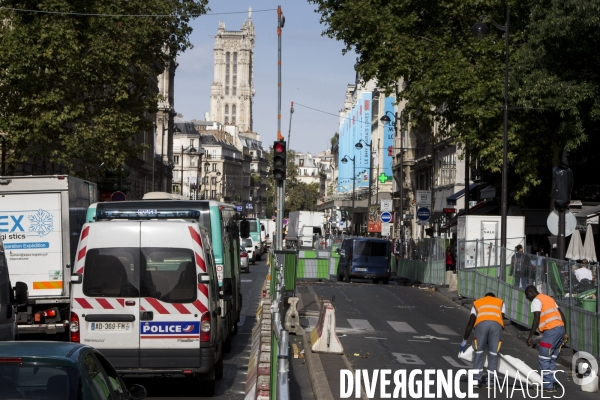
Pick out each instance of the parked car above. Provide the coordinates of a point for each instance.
(366, 258)
(251, 249)
(60, 371)
(244, 260)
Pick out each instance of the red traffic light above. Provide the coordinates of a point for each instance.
(279, 147)
(449, 210)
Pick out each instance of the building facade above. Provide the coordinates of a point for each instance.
(233, 86)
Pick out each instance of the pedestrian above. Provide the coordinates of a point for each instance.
(583, 272)
(550, 320)
(519, 268)
(487, 316)
(450, 261)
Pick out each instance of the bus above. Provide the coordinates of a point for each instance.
(220, 219)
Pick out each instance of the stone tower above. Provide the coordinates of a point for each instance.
(233, 86)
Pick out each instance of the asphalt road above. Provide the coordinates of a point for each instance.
(397, 327)
(233, 384)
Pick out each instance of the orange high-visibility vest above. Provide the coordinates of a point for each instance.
(489, 309)
(549, 315)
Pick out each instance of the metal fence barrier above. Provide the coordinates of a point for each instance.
(424, 261)
(280, 341)
(573, 285)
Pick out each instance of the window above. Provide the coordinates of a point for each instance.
(39, 380)
(227, 61)
(100, 385)
(233, 114)
(214, 154)
(301, 162)
(226, 113)
(111, 272)
(213, 180)
(214, 167)
(372, 249)
(213, 194)
(234, 76)
(176, 160)
(113, 377)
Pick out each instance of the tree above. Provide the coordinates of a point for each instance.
(75, 88)
(303, 196)
(457, 81)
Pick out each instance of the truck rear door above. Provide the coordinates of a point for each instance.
(107, 302)
(171, 309)
(31, 228)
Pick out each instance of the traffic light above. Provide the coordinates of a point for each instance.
(390, 151)
(279, 160)
(563, 184)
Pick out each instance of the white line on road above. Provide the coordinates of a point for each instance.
(430, 337)
(372, 337)
(442, 329)
(452, 362)
(422, 341)
(360, 324)
(312, 290)
(401, 327)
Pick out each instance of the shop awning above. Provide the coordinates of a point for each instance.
(481, 208)
(451, 200)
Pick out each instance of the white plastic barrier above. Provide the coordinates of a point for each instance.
(507, 365)
(323, 338)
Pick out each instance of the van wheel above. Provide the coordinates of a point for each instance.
(207, 388)
(376, 281)
(386, 281)
(346, 277)
(219, 368)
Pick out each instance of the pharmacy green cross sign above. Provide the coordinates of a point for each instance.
(383, 178)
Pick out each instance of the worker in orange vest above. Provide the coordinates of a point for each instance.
(487, 317)
(550, 320)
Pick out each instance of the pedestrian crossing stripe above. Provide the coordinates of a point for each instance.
(363, 325)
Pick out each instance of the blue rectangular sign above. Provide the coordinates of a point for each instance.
(175, 328)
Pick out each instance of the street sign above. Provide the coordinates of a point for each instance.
(386, 217)
(409, 216)
(117, 196)
(285, 221)
(248, 206)
(423, 214)
(423, 198)
(239, 208)
(570, 222)
(385, 229)
(386, 205)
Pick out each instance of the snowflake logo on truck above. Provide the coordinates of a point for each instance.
(42, 223)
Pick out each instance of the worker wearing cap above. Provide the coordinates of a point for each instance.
(487, 317)
(550, 320)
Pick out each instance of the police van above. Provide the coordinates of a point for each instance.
(145, 293)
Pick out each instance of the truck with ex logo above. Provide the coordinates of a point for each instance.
(40, 222)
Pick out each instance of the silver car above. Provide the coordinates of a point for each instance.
(251, 249)
(244, 260)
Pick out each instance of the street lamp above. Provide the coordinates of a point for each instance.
(359, 146)
(480, 30)
(345, 160)
(162, 149)
(191, 152)
(386, 121)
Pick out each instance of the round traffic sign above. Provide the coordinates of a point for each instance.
(570, 222)
(118, 196)
(386, 217)
(423, 214)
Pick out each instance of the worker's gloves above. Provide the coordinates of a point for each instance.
(463, 346)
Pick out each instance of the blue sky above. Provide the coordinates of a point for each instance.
(314, 71)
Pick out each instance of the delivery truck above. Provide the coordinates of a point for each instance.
(479, 239)
(303, 228)
(40, 224)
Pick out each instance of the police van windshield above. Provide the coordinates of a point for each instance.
(165, 274)
(370, 249)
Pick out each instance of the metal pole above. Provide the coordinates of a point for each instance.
(280, 193)
(401, 216)
(198, 175)
(467, 180)
(181, 177)
(561, 233)
(162, 155)
(505, 144)
(370, 174)
(290, 128)
(353, 192)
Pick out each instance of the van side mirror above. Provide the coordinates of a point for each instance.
(244, 229)
(21, 293)
(203, 278)
(227, 289)
(76, 278)
(262, 227)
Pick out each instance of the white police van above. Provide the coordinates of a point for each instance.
(145, 293)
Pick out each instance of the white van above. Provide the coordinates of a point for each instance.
(146, 294)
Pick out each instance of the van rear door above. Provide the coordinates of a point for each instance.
(171, 303)
(372, 255)
(107, 301)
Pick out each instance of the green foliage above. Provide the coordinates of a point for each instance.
(76, 89)
(453, 79)
(303, 196)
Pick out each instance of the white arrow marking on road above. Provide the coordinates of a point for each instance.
(454, 363)
(430, 337)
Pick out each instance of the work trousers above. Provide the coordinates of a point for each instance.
(487, 333)
(549, 348)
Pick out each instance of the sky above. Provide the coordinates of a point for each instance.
(314, 72)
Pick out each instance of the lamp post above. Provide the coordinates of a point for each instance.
(191, 152)
(166, 127)
(359, 146)
(386, 121)
(480, 30)
(345, 160)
